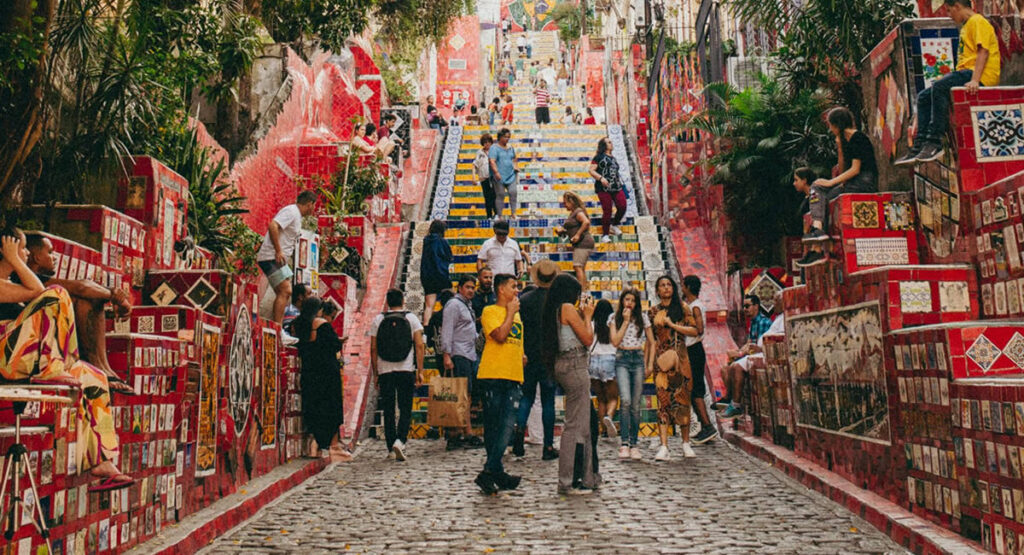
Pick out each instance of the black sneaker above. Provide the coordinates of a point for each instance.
(707, 433)
(454, 442)
(550, 454)
(472, 442)
(518, 439)
(506, 481)
(485, 480)
(815, 235)
(909, 158)
(812, 258)
(930, 152)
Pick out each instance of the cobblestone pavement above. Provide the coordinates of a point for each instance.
(721, 502)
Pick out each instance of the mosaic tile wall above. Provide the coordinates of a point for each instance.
(996, 223)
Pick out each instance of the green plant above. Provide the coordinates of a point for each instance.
(351, 186)
(765, 133)
(569, 19)
(392, 72)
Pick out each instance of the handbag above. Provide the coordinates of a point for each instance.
(448, 402)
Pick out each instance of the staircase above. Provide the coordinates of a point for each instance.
(545, 49)
(553, 159)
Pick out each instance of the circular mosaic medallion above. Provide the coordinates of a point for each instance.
(241, 370)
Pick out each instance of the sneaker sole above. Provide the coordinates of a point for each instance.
(696, 441)
(733, 417)
(908, 162)
(931, 158)
(609, 427)
(816, 239)
(399, 454)
(810, 264)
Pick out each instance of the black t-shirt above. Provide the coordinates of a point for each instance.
(531, 309)
(608, 168)
(859, 148)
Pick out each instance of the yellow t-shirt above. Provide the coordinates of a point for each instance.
(979, 32)
(501, 361)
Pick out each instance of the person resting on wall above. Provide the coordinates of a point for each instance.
(39, 343)
(89, 299)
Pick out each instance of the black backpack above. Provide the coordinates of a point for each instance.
(394, 337)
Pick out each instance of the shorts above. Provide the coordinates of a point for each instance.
(580, 257)
(432, 287)
(276, 273)
(698, 362)
(602, 367)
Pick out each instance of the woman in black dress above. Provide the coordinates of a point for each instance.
(322, 409)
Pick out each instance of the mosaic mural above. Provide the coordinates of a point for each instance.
(837, 371)
(241, 370)
(268, 421)
(937, 195)
(530, 15)
(206, 448)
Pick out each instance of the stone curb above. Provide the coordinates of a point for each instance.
(905, 528)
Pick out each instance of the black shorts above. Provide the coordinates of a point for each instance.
(698, 362)
(432, 287)
(543, 114)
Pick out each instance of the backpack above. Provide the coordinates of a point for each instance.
(394, 337)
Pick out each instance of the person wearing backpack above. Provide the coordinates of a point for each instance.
(396, 360)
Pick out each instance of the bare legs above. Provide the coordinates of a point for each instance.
(284, 296)
(428, 307)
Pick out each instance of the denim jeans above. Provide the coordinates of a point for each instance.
(500, 398)
(933, 106)
(535, 374)
(629, 372)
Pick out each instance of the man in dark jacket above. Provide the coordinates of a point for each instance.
(531, 307)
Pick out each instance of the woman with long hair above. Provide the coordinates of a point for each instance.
(320, 379)
(671, 321)
(602, 367)
(577, 229)
(568, 331)
(631, 335)
(604, 168)
(434, 263)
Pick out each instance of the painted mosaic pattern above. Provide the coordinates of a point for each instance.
(836, 359)
(446, 174)
(937, 194)
(619, 151)
(999, 132)
(915, 296)
(984, 353)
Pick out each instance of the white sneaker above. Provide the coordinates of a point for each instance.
(688, 451)
(399, 449)
(288, 340)
(606, 239)
(609, 426)
(624, 452)
(615, 230)
(635, 454)
(662, 454)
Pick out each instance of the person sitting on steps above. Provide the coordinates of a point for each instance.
(39, 343)
(978, 65)
(860, 172)
(802, 179)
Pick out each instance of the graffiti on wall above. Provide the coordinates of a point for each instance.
(529, 15)
(838, 372)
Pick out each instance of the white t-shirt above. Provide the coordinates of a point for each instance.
(689, 340)
(602, 349)
(482, 164)
(290, 220)
(632, 340)
(407, 365)
(501, 259)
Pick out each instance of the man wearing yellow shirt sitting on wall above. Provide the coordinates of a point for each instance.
(977, 65)
(498, 380)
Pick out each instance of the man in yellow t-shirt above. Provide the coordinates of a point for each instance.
(498, 381)
(978, 65)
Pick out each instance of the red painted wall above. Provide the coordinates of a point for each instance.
(458, 65)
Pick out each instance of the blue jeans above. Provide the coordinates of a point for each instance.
(500, 398)
(933, 106)
(629, 373)
(535, 374)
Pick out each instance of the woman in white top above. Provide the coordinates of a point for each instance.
(602, 367)
(631, 335)
(569, 118)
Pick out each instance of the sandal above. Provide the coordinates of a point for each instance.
(111, 483)
(64, 380)
(117, 385)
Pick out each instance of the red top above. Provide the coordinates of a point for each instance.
(590, 120)
(506, 112)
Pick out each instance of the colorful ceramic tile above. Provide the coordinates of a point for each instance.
(1014, 350)
(987, 303)
(865, 214)
(954, 296)
(998, 132)
(241, 370)
(881, 251)
(1012, 297)
(984, 353)
(201, 294)
(765, 287)
(999, 295)
(915, 296)
(163, 295)
(937, 59)
(899, 216)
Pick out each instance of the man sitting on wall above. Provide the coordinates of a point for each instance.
(751, 355)
(89, 299)
(977, 65)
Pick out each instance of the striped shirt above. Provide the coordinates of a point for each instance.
(542, 97)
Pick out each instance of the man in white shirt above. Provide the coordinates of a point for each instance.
(278, 248)
(397, 365)
(499, 253)
(521, 44)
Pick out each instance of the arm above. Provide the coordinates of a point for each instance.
(649, 352)
(593, 173)
(979, 68)
(580, 324)
(84, 289)
(698, 328)
(30, 285)
(841, 178)
(500, 333)
(420, 348)
(480, 263)
(447, 331)
(494, 169)
(373, 358)
(617, 333)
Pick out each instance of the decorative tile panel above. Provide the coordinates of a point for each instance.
(1014, 350)
(446, 174)
(984, 353)
(998, 132)
(915, 296)
(882, 251)
(764, 286)
(937, 59)
(954, 296)
(865, 215)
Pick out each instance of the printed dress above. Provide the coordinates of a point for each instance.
(42, 343)
(673, 388)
